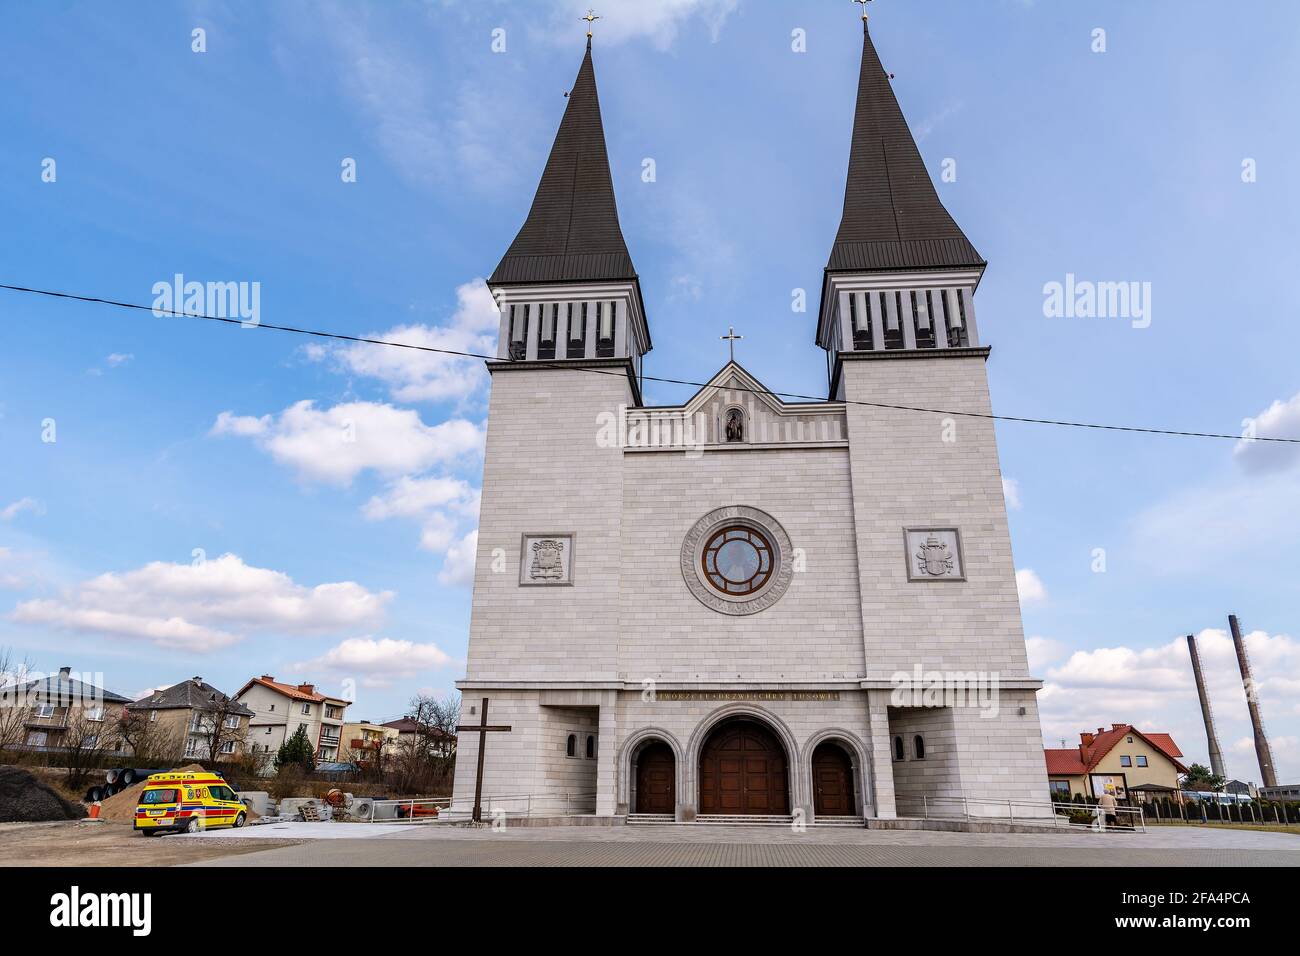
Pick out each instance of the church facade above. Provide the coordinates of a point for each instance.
(745, 605)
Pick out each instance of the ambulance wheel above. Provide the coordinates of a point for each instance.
(240, 818)
(192, 826)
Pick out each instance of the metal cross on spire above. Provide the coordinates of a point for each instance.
(864, 7)
(731, 338)
(590, 18)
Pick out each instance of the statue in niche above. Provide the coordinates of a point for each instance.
(735, 425)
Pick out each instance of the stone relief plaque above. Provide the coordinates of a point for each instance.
(934, 554)
(546, 559)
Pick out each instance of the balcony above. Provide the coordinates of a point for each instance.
(55, 721)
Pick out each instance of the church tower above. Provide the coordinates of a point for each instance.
(566, 287)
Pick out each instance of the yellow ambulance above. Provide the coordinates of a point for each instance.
(187, 802)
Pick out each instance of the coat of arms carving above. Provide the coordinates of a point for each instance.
(934, 558)
(548, 560)
(934, 554)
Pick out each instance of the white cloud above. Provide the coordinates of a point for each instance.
(1042, 651)
(119, 358)
(1011, 492)
(1030, 587)
(1153, 689)
(204, 606)
(659, 21)
(334, 445)
(414, 375)
(379, 662)
(458, 566)
(439, 504)
(1279, 420)
(11, 511)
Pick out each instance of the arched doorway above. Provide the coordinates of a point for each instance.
(656, 779)
(743, 770)
(832, 781)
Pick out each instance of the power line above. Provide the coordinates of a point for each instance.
(340, 336)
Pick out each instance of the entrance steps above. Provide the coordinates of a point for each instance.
(739, 820)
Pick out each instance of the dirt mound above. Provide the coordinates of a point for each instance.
(120, 807)
(24, 798)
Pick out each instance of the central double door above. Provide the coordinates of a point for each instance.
(743, 770)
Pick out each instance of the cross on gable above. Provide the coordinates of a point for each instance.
(483, 728)
(731, 338)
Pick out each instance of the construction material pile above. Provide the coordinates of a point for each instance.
(120, 807)
(24, 798)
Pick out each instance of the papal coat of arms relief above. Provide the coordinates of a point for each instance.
(934, 554)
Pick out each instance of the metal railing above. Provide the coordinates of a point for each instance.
(1055, 815)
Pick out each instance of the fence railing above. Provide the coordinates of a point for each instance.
(1056, 815)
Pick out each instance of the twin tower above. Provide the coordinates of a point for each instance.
(900, 277)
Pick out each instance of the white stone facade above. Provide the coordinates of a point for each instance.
(627, 655)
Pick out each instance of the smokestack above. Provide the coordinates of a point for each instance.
(1216, 755)
(1252, 703)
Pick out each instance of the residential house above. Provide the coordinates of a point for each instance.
(363, 740)
(63, 711)
(280, 709)
(1118, 760)
(408, 731)
(194, 715)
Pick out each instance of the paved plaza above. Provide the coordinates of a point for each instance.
(436, 845)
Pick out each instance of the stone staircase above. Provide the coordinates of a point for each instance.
(739, 820)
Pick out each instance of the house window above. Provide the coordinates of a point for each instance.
(268, 730)
(571, 746)
(95, 713)
(232, 721)
(899, 752)
(272, 708)
(153, 716)
(591, 747)
(1059, 788)
(1126, 761)
(918, 747)
(1129, 739)
(228, 747)
(45, 710)
(196, 722)
(306, 708)
(1142, 761)
(38, 738)
(90, 741)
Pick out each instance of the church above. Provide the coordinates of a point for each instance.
(745, 606)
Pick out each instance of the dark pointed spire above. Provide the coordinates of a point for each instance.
(893, 218)
(572, 232)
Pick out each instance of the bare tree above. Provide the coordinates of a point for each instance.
(223, 725)
(85, 744)
(153, 744)
(15, 703)
(424, 757)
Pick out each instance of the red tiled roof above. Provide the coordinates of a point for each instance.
(1165, 743)
(1064, 762)
(1086, 757)
(288, 690)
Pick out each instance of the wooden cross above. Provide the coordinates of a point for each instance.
(731, 338)
(483, 730)
(590, 18)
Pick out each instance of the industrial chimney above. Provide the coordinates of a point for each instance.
(1252, 703)
(1216, 755)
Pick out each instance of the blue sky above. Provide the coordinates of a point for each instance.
(347, 561)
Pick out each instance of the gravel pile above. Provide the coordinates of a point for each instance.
(24, 798)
